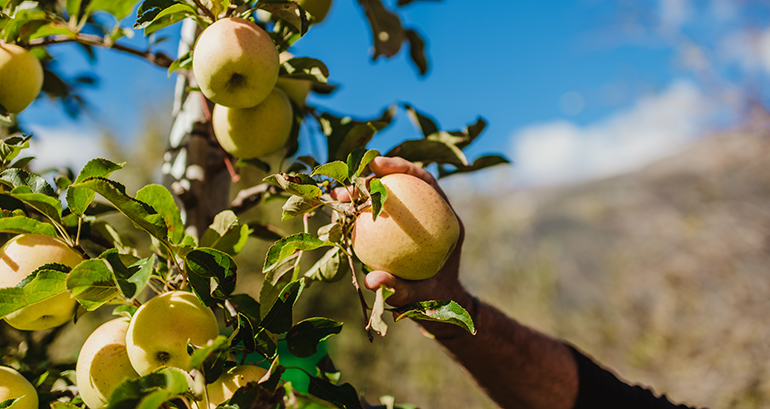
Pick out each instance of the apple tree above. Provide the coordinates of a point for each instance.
(197, 221)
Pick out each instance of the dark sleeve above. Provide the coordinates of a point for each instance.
(601, 389)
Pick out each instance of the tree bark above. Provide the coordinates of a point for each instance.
(194, 168)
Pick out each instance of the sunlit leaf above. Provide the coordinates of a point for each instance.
(163, 203)
(288, 245)
(448, 312)
(212, 274)
(79, 198)
(378, 308)
(23, 224)
(92, 284)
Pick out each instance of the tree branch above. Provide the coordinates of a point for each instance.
(206, 10)
(159, 59)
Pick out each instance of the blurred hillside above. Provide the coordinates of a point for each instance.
(660, 274)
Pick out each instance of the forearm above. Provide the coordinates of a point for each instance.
(515, 365)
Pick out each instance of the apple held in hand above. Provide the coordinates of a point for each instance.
(414, 234)
(235, 63)
(252, 132)
(160, 329)
(22, 255)
(21, 77)
(103, 363)
(223, 388)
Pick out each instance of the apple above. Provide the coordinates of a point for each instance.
(223, 388)
(13, 385)
(248, 133)
(161, 328)
(21, 77)
(413, 236)
(296, 89)
(22, 255)
(103, 363)
(235, 63)
(317, 8)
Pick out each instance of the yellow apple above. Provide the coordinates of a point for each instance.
(296, 89)
(22, 255)
(13, 385)
(160, 329)
(21, 77)
(414, 234)
(103, 363)
(235, 63)
(252, 132)
(317, 8)
(223, 388)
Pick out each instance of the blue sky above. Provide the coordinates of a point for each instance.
(570, 89)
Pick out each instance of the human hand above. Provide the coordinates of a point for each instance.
(445, 284)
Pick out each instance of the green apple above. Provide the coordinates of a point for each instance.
(223, 388)
(21, 77)
(253, 132)
(317, 8)
(103, 363)
(413, 236)
(161, 328)
(296, 89)
(235, 63)
(13, 385)
(22, 255)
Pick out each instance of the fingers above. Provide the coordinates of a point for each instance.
(402, 295)
(383, 165)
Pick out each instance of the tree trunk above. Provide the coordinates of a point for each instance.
(194, 168)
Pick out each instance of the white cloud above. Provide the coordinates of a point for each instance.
(56, 147)
(562, 151)
(673, 14)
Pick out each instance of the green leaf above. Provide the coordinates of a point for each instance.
(480, 163)
(364, 162)
(211, 273)
(210, 359)
(141, 214)
(149, 392)
(79, 198)
(156, 10)
(287, 11)
(9, 403)
(92, 284)
(299, 184)
(379, 195)
(417, 51)
(387, 32)
(47, 205)
(425, 123)
(18, 177)
(279, 317)
(118, 8)
(286, 246)
(343, 396)
(73, 8)
(23, 224)
(304, 68)
(9, 204)
(266, 343)
(327, 268)
(297, 206)
(378, 308)
(182, 63)
(11, 147)
(429, 151)
(163, 202)
(132, 278)
(345, 134)
(448, 312)
(325, 368)
(48, 281)
(336, 170)
(303, 338)
(226, 233)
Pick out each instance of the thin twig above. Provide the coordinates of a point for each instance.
(159, 59)
(206, 10)
(364, 305)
